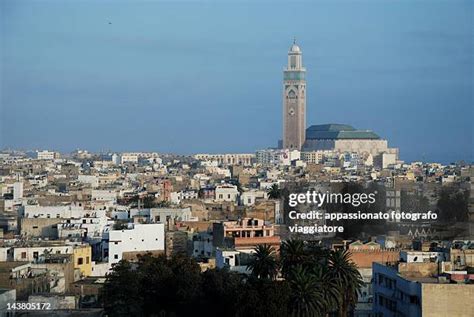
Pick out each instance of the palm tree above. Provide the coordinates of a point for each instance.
(274, 192)
(349, 281)
(264, 264)
(306, 297)
(327, 286)
(292, 254)
(317, 252)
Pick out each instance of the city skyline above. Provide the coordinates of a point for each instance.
(135, 77)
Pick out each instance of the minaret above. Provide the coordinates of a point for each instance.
(294, 100)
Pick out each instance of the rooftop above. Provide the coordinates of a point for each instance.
(338, 131)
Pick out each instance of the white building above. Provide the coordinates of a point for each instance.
(384, 160)
(235, 261)
(224, 172)
(315, 157)
(72, 211)
(248, 198)
(170, 215)
(129, 158)
(202, 245)
(116, 159)
(108, 197)
(89, 179)
(47, 155)
(226, 192)
(277, 157)
(177, 197)
(423, 256)
(89, 227)
(17, 191)
(32, 253)
(139, 238)
(227, 159)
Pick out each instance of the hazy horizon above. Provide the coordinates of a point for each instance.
(206, 77)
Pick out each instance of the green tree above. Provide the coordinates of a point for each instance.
(221, 290)
(121, 294)
(306, 298)
(328, 287)
(264, 264)
(293, 253)
(274, 192)
(348, 279)
(453, 204)
(264, 297)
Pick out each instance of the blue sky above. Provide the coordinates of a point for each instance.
(190, 77)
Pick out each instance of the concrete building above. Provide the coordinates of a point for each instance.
(47, 155)
(277, 156)
(138, 238)
(46, 228)
(23, 279)
(176, 243)
(244, 234)
(384, 160)
(131, 158)
(315, 157)
(169, 216)
(82, 256)
(178, 197)
(88, 227)
(104, 196)
(202, 245)
(416, 289)
(66, 212)
(249, 198)
(226, 192)
(233, 260)
(61, 269)
(423, 256)
(228, 159)
(36, 251)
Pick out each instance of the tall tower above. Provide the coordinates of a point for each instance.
(294, 100)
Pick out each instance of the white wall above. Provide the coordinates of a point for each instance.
(143, 237)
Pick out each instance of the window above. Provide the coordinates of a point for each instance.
(23, 255)
(80, 261)
(87, 260)
(116, 256)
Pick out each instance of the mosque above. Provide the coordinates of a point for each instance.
(333, 137)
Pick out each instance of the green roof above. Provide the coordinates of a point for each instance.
(337, 132)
